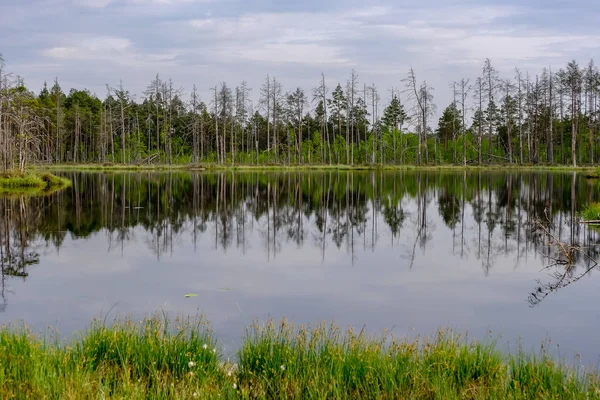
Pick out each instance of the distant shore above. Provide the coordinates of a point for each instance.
(312, 167)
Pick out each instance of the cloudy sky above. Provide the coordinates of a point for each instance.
(91, 43)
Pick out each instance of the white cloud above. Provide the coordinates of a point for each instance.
(91, 48)
(105, 3)
(92, 3)
(239, 40)
(300, 37)
(268, 27)
(114, 50)
(471, 16)
(309, 53)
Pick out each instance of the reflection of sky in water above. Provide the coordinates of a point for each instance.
(376, 288)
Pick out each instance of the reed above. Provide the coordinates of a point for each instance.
(158, 359)
(591, 212)
(31, 182)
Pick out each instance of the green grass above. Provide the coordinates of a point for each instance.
(154, 359)
(30, 183)
(280, 361)
(126, 360)
(591, 212)
(593, 174)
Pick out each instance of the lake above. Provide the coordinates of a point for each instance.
(410, 252)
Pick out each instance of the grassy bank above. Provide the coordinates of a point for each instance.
(31, 182)
(313, 167)
(154, 359)
(591, 212)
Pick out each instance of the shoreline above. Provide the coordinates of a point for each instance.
(312, 167)
(158, 358)
(31, 182)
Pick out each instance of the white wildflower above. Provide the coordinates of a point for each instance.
(191, 364)
(234, 386)
(282, 368)
(195, 394)
(228, 373)
(205, 346)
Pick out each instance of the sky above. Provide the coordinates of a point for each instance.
(92, 43)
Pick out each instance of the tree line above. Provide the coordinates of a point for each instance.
(551, 118)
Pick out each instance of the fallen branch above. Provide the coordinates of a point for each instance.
(565, 274)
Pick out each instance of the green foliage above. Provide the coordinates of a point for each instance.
(153, 359)
(283, 361)
(16, 181)
(591, 212)
(130, 360)
(394, 114)
(449, 125)
(512, 121)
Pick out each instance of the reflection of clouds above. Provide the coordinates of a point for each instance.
(90, 258)
(357, 283)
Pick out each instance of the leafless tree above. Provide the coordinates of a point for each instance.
(422, 109)
(265, 102)
(320, 95)
(464, 88)
(490, 76)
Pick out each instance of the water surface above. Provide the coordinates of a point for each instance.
(406, 251)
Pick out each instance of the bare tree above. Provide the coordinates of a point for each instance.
(464, 89)
(59, 120)
(196, 110)
(3, 133)
(422, 109)
(276, 97)
(242, 107)
(351, 93)
(490, 76)
(152, 92)
(374, 118)
(225, 112)
(572, 79)
(479, 93)
(216, 120)
(320, 94)
(519, 94)
(124, 100)
(507, 88)
(590, 78)
(25, 124)
(265, 102)
(296, 102)
(551, 116)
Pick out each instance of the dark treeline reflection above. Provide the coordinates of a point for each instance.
(486, 215)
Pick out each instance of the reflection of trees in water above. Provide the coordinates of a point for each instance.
(18, 249)
(562, 259)
(488, 214)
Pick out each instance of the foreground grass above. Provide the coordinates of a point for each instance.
(315, 167)
(126, 360)
(31, 182)
(153, 359)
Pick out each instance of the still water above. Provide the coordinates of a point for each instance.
(405, 251)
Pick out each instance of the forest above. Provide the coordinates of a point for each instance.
(551, 118)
